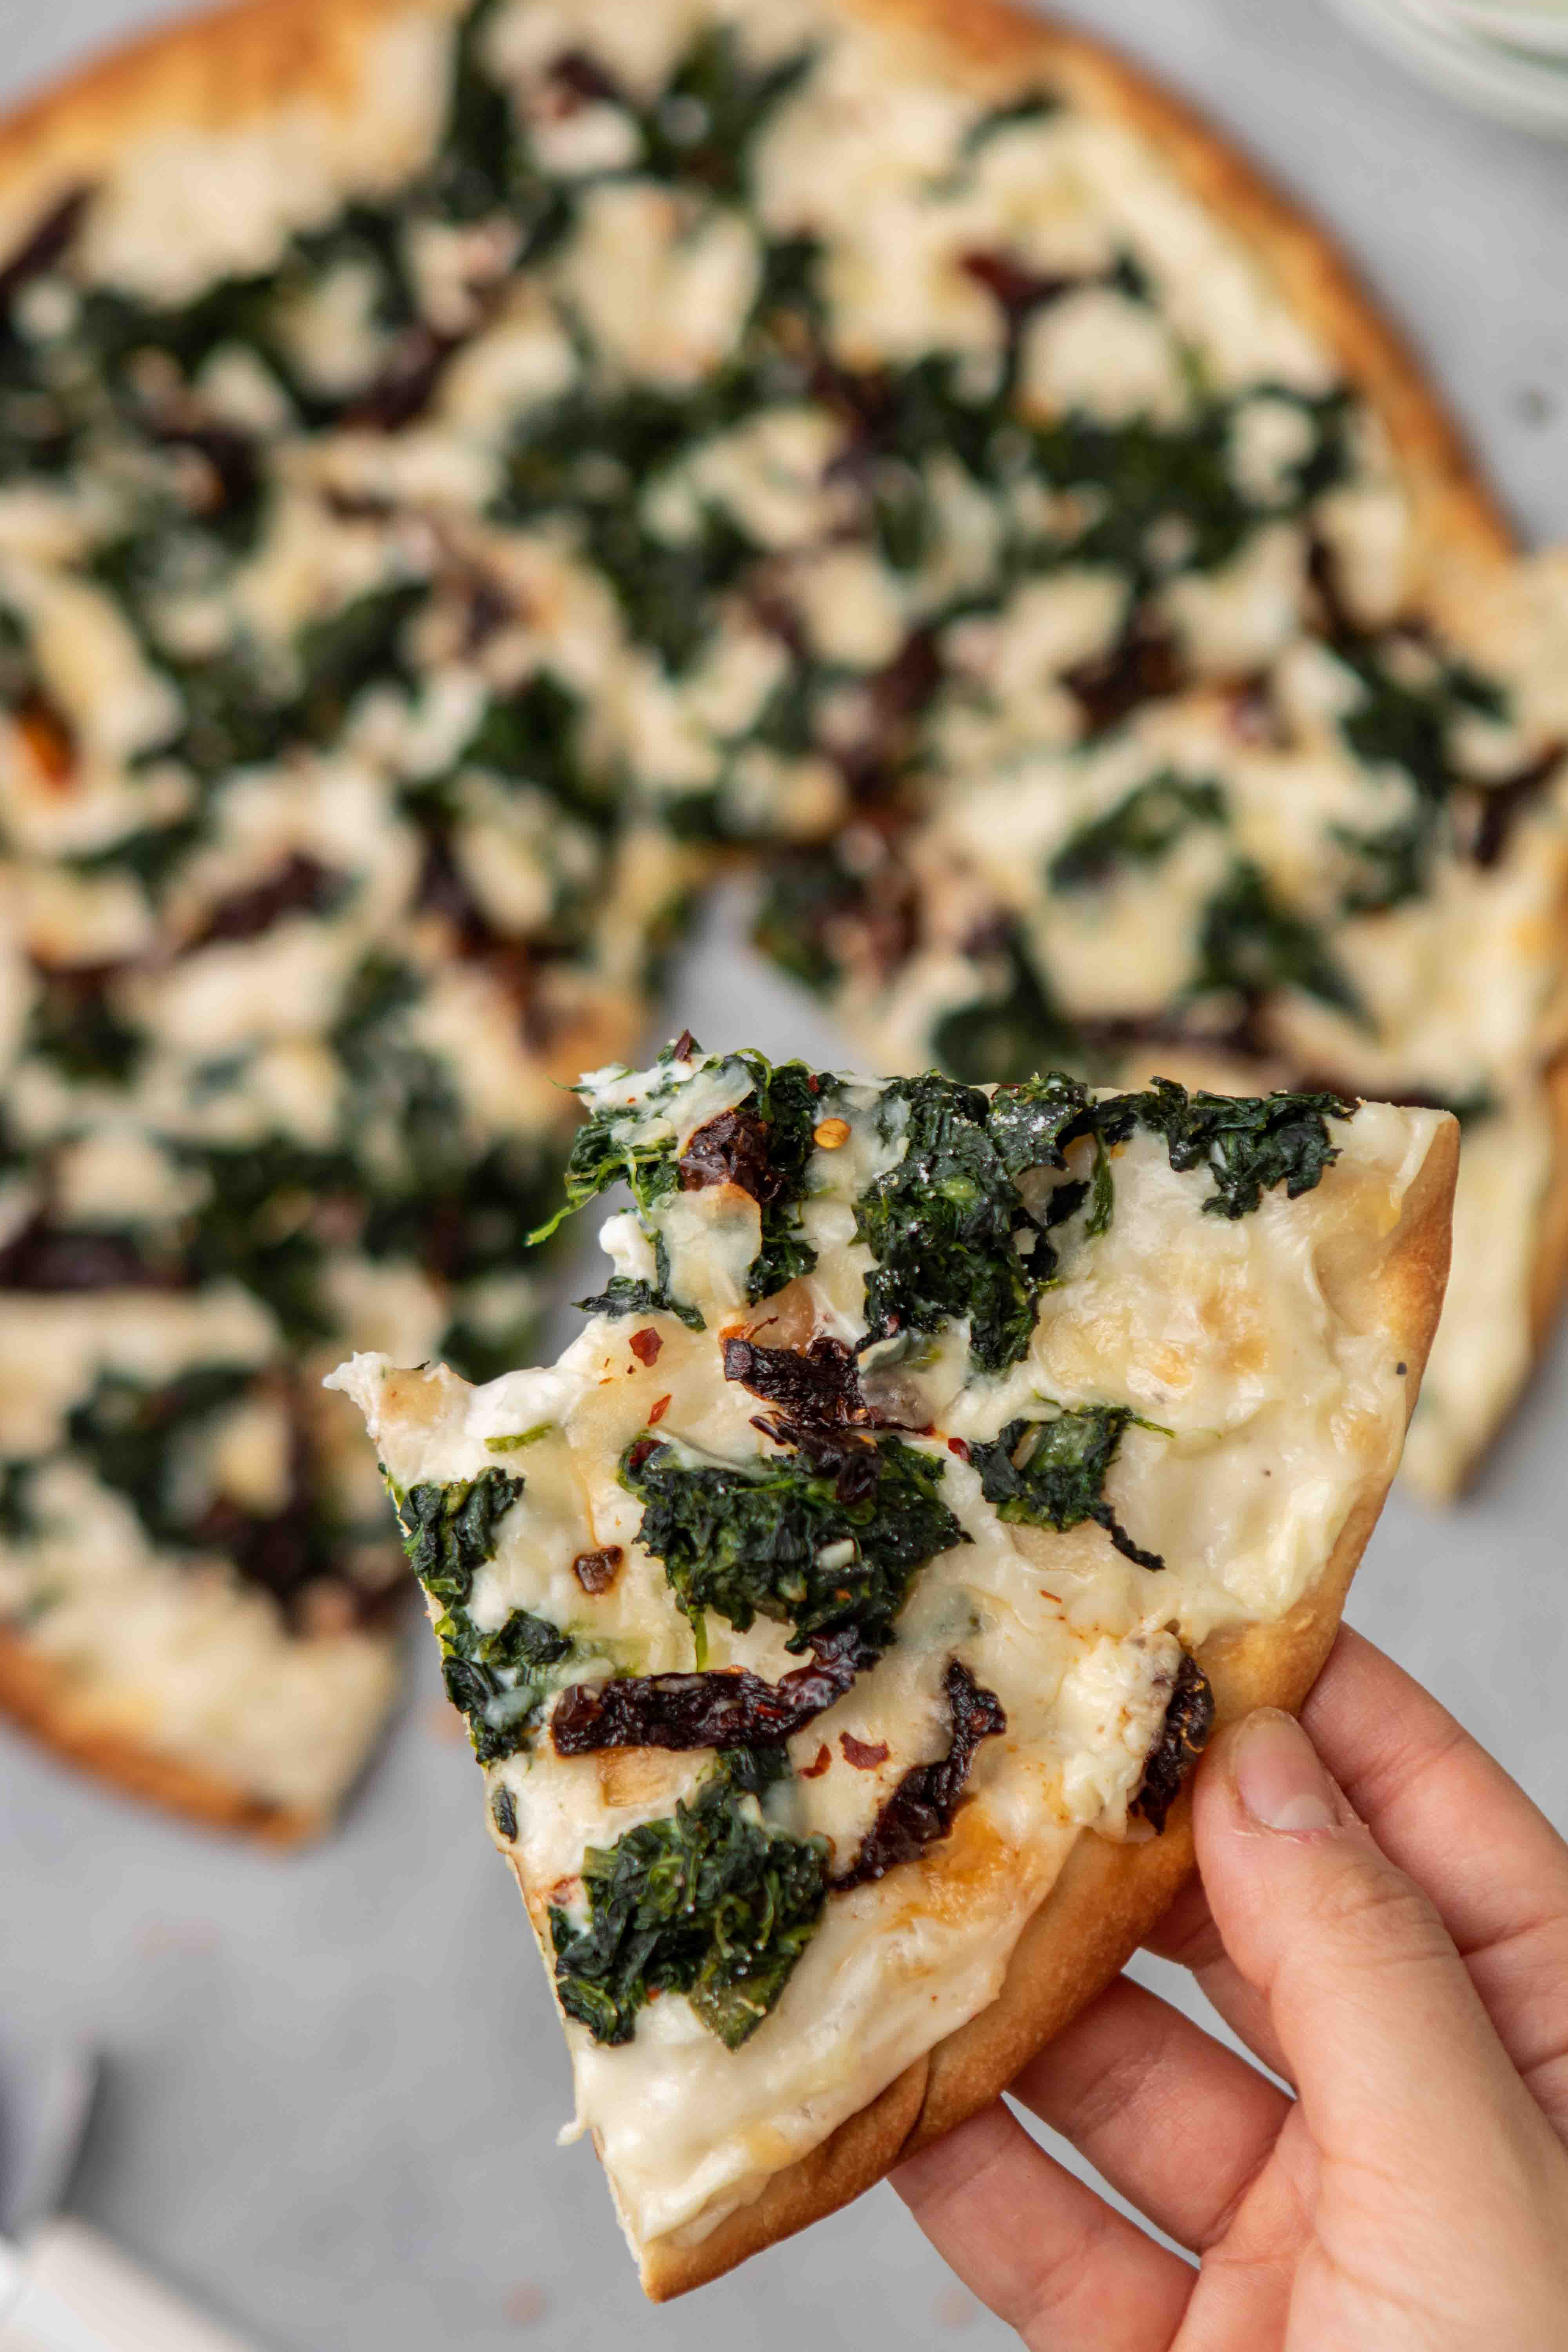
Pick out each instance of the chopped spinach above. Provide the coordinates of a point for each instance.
(339, 656)
(1051, 1473)
(1248, 1143)
(623, 1294)
(712, 111)
(817, 1543)
(1398, 725)
(140, 1438)
(532, 736)
(129, 1431)
(763, 1145)
(17, 1521)
(611, 1148)
(449, 1532)
(1031, 106)
(1032, 1123)
(498, 1680)
(254, 1225)
(708, 1901)
(483, 166)
(1147, 473)
(1008, 1031)
(1251, 942)
(943, 1225)
(75, 1026)
(1033, 1120)
(1143, 827)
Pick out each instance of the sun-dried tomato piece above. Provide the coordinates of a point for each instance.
(921, 1807)
(732, 1709)
(732, 1150)
(1184, 1735)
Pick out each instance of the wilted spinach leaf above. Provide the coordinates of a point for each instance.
(708, 1901)
(1140, 829)
(939, 1225)
(498, 1680)
(1248, 1143)
(1051, 1473)
(813, 1543)
(1252, 943)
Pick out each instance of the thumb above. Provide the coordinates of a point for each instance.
(1384, 2035)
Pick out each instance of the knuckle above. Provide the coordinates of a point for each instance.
(1376, 1917)
(1059, 2273)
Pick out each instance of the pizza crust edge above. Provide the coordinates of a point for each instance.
(40, 1694)
(1108, 1896)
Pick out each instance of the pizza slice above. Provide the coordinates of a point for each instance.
(838, 1620)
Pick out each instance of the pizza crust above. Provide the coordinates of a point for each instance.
(1108, 1896)
(206, 72)
(41, 1694)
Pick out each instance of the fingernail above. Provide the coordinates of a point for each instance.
(1278, 1776)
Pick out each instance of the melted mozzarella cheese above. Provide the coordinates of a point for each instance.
(664, 294)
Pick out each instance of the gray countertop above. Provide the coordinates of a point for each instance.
(335, 2079)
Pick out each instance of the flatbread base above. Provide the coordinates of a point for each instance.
(40, 1694)
(1108, 1896)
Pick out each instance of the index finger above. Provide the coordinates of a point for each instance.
(1448, 1815)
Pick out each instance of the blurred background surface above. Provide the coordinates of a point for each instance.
(336, 2078)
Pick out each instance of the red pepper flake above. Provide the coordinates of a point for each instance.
(640, 1452)
(596, 1571)
(959, 1447)
(864, 1754)
(660, 1407)
(645, 1345)
(815, 1771)
(814, 1084)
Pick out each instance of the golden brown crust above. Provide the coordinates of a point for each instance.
(38, 1693)
(210, 72)
(1108, 1896)
(1549, 1275)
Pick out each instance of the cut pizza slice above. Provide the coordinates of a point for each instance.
(838, 1620)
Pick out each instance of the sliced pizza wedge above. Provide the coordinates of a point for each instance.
(836, 1622)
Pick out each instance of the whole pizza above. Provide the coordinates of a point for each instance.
(465, 473)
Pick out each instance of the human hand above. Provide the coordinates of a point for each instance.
(1413, 2197)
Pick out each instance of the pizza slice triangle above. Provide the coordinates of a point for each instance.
(837, 1622)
